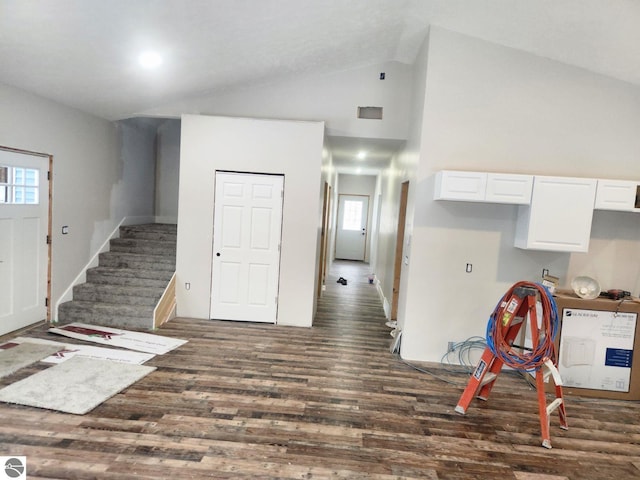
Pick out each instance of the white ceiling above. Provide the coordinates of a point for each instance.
(83, 53)
(377, 153)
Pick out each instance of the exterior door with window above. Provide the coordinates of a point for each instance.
(351, 233)
(246, 246)
(24, 218)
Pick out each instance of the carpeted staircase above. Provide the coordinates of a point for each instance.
(123, 290)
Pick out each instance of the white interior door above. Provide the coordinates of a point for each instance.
(351, 232)
(246, 246)
(24, 217)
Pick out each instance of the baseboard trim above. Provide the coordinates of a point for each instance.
(385, 303)
(166, 219)
(137, 220)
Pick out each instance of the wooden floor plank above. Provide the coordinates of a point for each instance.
(256, 401)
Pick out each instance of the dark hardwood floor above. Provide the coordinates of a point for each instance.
(254, 401)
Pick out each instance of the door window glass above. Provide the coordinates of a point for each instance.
(352, 218)
(19, 185)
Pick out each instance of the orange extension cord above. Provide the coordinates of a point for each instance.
(545, 348)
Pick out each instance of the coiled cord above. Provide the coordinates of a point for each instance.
(465, 352)
(545, 348)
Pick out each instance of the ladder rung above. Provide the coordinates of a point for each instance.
(553, 405)
(516, 321)
(548, 370)
(488, 378)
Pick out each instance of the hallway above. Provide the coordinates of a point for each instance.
(255, 401)
(353, 312)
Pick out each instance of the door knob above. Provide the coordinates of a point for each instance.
(218, 254)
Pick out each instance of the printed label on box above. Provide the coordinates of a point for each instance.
(618, 357)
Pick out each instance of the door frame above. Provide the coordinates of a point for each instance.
(397, 263)
(50, 215)
(324, 238)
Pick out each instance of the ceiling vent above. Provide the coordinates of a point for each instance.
(370, 113)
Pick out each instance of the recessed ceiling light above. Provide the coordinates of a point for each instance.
(150, 59)
(362, 155)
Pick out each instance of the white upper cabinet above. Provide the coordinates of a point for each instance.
(509, 188)
(560, 215)
(619, 195)
(483, 187)
(464, 186)
(555, 213)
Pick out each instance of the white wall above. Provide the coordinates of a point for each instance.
(258, 146)
(403, 168)
(330, 175)
(332, 98)
(374, 226)
(167, 171)
(92, 188)
(493, 108)
(361, 185)
(133, 194)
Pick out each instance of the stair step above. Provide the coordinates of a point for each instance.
(143, 246)
(166, 232)
(129, 276)
(134, 260)
(110, 308)
(123, 290)
(117, 294)
(107, 314)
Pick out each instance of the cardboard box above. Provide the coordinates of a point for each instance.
(596, 345)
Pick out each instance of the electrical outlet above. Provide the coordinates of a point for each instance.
(450, 347)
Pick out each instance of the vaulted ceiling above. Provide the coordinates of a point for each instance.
(84, 53)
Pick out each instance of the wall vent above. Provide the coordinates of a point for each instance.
(370, 113)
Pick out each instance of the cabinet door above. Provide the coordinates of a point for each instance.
(559, 217)
(465, 186)
(509, 188)
(617, 195)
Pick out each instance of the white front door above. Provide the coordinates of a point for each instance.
(247, 227)
(24, 217)
(351, 232)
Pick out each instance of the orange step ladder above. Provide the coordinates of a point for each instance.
(512, 313)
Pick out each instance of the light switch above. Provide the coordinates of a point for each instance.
(65, 229)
